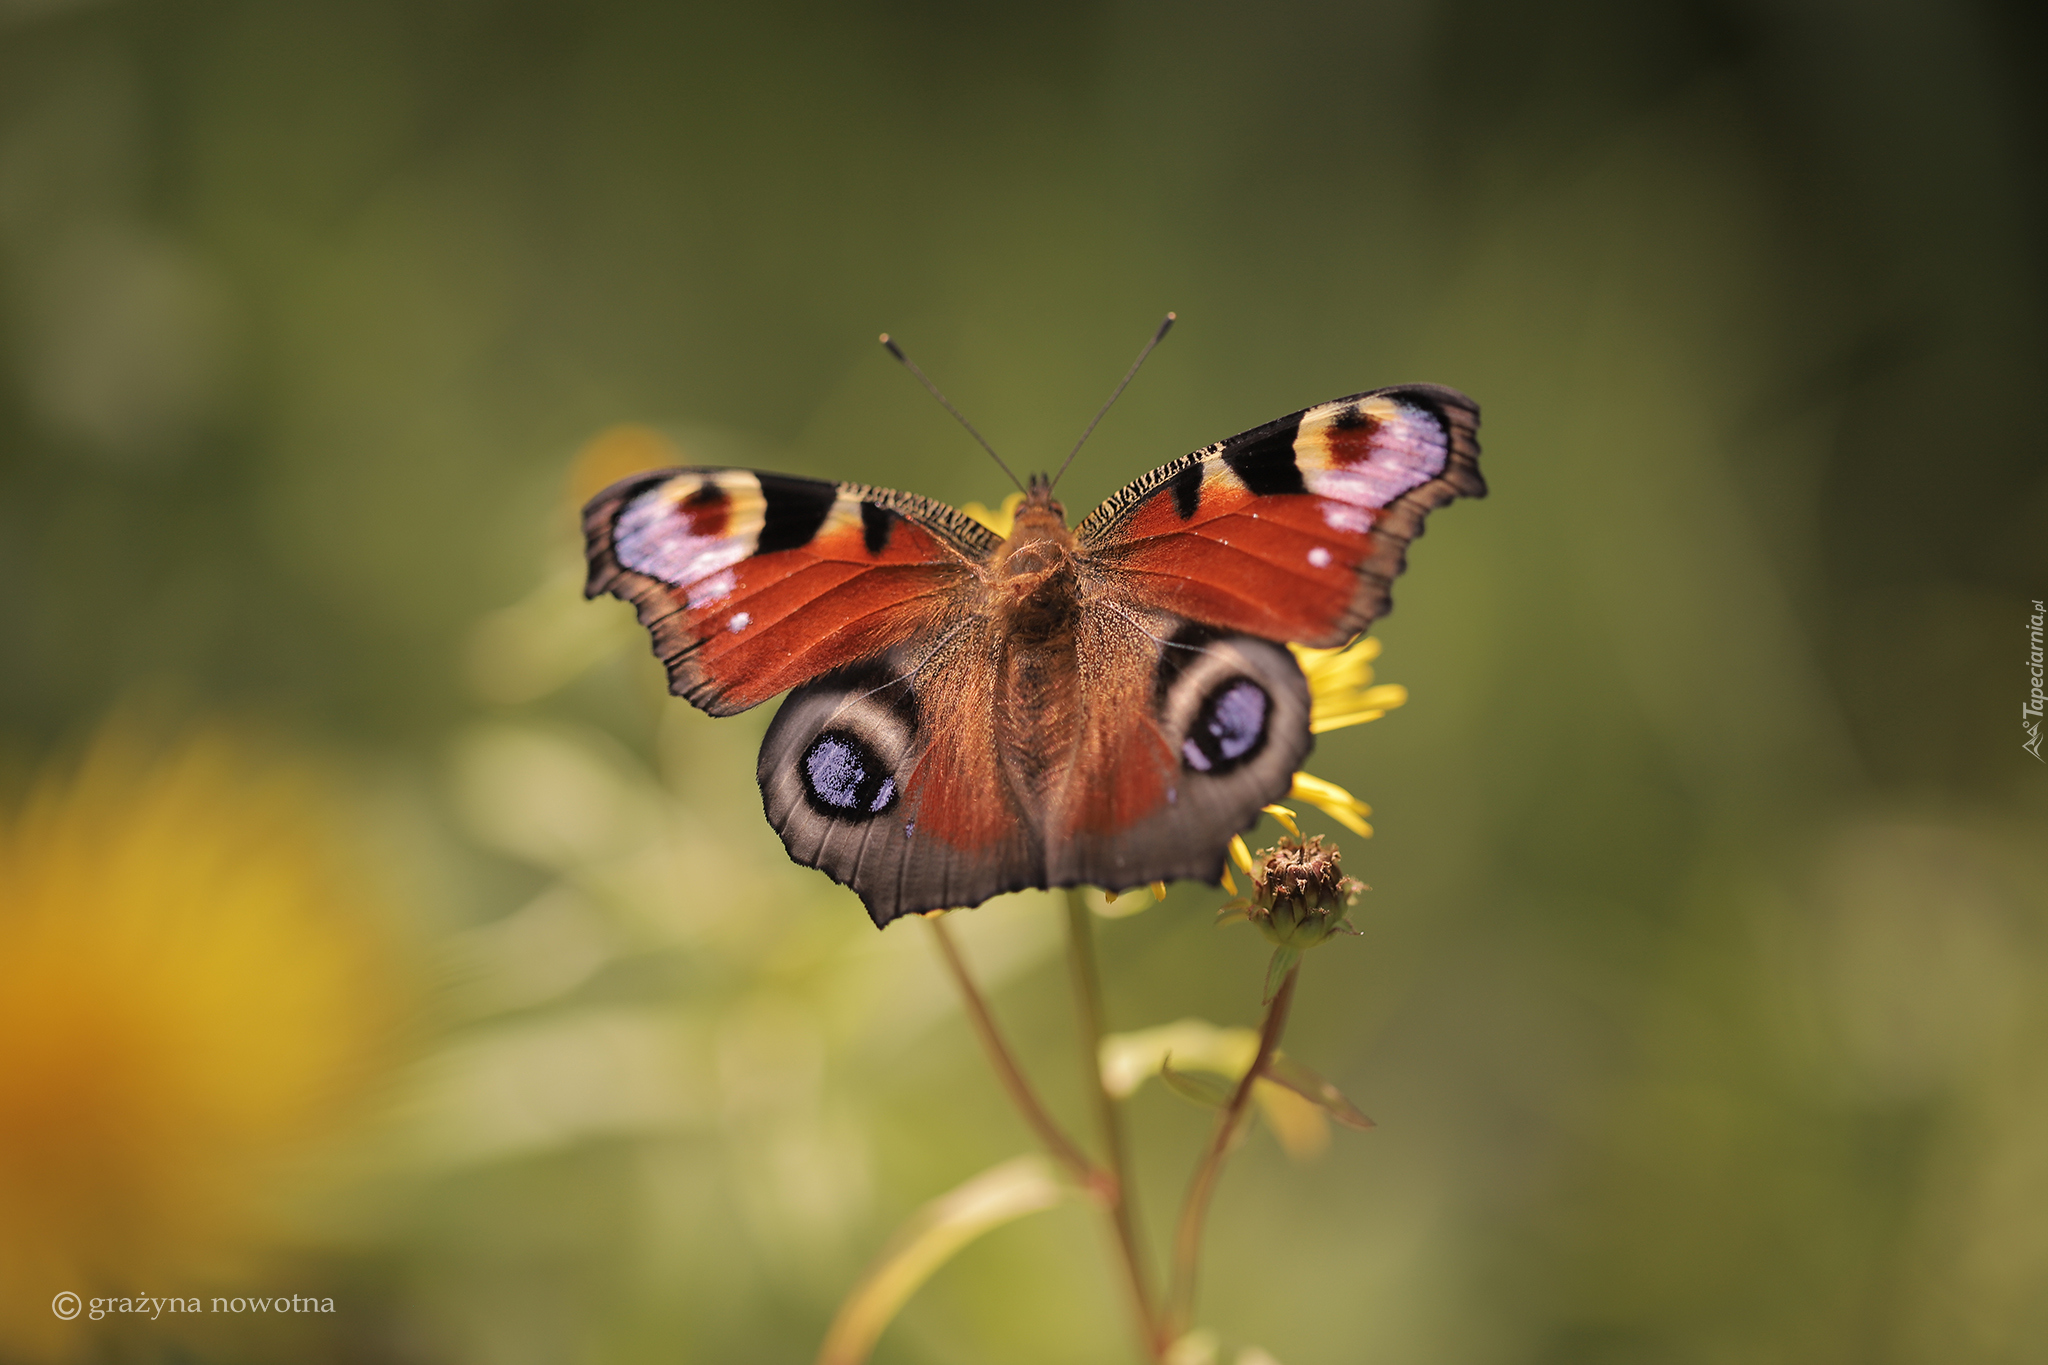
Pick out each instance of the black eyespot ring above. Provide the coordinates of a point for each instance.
(1229, 729)
(844, 779)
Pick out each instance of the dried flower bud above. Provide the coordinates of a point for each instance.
(1300, 893)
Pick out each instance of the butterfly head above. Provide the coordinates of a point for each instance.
(1039, 538)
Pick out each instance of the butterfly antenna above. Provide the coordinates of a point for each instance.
(1157, 337)
(911, 365)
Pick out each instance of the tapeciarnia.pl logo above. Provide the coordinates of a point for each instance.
(2030, 710)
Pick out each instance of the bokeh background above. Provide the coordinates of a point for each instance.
(376, 929)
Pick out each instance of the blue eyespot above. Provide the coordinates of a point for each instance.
(843, 778)
(1230, 728)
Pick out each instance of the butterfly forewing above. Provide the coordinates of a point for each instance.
(754, 583)
(1297, 529)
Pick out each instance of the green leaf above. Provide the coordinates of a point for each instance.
(936, 1231)
(1128, 1060)
(1284, 1070)
(1276, 971)
(1203, 1087)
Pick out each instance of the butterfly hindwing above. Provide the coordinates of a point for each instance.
(881, 776)
(1297, 529)
(754, 583)
(914, 779)
(1158, 789)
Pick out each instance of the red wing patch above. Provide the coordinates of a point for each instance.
(1295, 530)
(752, 584)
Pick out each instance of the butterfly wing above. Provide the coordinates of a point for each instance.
(923, 781)
(1158, 781)
(1297, 529)
(1293, 531)
(885, 776)
(755, 583)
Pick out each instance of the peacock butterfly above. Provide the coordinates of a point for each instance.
(971, 713)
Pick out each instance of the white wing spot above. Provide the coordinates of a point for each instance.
(1342, 516)
(739, 622)
(1319, 557)
(706, 591)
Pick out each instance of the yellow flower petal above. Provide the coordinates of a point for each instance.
(1001, 518)
(1340, 685)
(1228, 884)
(1386, 696)
(1240, 854)
(1323, 725)
(1340, 805)
(1363, 650)
(1115, 905)
(1285, 817)
(1159, 891)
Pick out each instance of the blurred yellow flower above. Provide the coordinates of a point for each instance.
(616, 453)
(190, 1000)
(999, 519)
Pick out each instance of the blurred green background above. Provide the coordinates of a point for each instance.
(1700, 1002)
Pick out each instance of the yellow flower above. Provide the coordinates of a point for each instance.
(615, 453)
(190, 1000)
(1340, 685)
(1001, 518)
(1341, 693)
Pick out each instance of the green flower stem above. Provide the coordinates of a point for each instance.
(1121, 1203)
(1079, 1168)
(1194, 1211)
